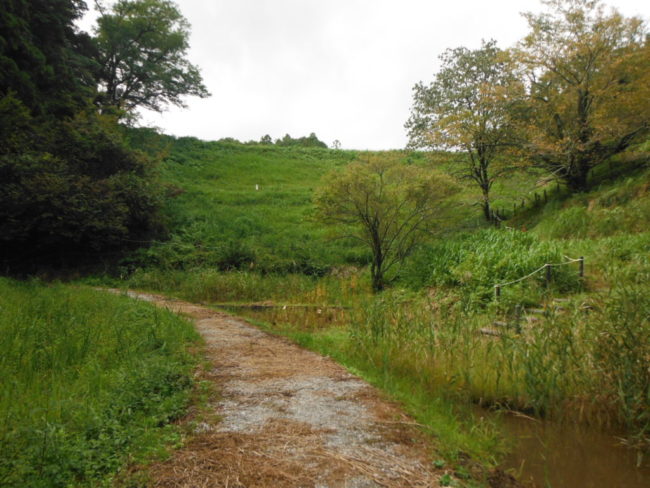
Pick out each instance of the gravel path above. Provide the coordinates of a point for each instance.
(287, 417)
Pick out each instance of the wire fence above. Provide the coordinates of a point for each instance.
(547, 268)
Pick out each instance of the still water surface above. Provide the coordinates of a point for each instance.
(554, 455)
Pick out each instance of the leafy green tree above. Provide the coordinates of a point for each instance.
(142, 56)
(588, 74)
(41, 59)
(384, 204)
(78, 193)
(266, 140)
(468, 106)
(70, 187)
(310, 141)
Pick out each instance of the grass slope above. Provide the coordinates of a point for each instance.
(249, 207)
(233, 206)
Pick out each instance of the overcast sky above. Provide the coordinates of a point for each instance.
(343, 69)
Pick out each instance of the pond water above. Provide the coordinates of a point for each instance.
(553, 455)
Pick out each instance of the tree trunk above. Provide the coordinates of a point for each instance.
(577, 180)
(377, 272)
(377, 281)
(487, 210)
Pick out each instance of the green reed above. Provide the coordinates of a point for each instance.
(588, 362)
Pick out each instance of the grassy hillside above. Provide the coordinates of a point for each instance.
(233, 206)
(244, 207)
(425, 340)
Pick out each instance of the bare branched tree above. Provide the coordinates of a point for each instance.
(384, 204)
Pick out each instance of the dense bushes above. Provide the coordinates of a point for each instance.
(476, 262)
(78, 191)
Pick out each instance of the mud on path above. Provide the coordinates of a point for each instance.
(288, 417)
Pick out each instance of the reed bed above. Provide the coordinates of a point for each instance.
(586, 363)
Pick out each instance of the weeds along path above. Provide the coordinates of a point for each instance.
(287, 417)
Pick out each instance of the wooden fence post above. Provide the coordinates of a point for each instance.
(497, 292)
(581, 261)
(548, 274)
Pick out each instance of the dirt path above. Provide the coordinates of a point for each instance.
(287, 417)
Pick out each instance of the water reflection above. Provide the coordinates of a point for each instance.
(569, 456)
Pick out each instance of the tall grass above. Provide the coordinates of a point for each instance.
(87, 381)
(209, 285)
(473, 263)
(623, 209)
(582, 364)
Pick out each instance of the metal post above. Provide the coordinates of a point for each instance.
(548, 274)
(497, 292)
(581, 261)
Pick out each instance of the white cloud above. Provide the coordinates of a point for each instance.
(341, 68)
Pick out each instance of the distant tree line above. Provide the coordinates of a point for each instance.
(71, 187)
(569, 96)
(287, 141)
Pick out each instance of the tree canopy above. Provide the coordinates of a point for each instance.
(41, 58)
(588, 78)
(384, 204)
(142, 57)
(310, 141)
(468, 106)
(71, 188)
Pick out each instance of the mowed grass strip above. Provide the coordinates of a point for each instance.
(88, 382)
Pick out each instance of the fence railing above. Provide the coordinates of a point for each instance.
(547, 269)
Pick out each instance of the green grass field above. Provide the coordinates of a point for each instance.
(246, 207)
(89, 382)
(249, 207)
